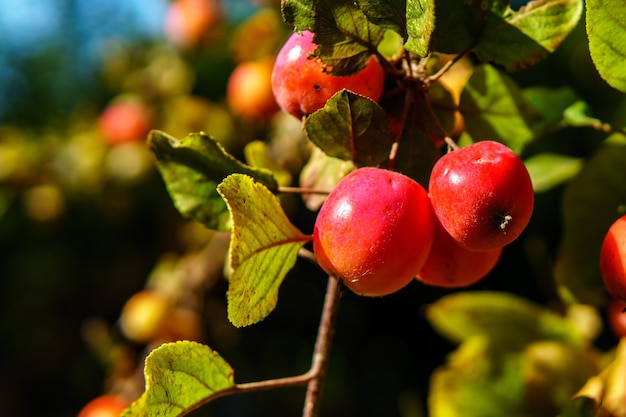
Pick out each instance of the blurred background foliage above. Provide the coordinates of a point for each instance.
(86, 222)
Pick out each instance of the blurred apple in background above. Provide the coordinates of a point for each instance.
(188, 21)
(126, 119)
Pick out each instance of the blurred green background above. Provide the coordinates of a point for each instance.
(83, 225)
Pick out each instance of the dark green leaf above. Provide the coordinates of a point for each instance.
(346, 39)
(388, 14)
(547, 170)
(606, 30)
(179, 376)
(518, 39)
(351, 127)
(552, 103)
(192, 168)
(494, 108)
(263, 248)
(503, 318)
(420, 23)
(590, 205)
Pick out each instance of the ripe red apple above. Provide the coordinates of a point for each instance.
(302, 86)
(188, 21)
(374, 231)
(125, 120)
(482, 195)
(617, 317)
(451, 265)
(613, 259)
(249, 90)
(106, 405)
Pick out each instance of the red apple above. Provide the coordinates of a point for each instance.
(482, 195)
(451, 265)
(374, 231)
(301, 84)
(613, 259)
(188, 21)
(249, 90)
(617, 317)
(107, 405)
(125, 120)
(144, 315)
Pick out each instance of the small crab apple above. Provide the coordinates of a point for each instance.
(125, 119)
(188, 21)
(451, 265)
(613, 259)
(482, 195)
(302, 85)
(106, 405)
(616, 317)
(374, 231)
(249, 90)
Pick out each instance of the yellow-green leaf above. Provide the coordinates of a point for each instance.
(179, 377)
(264, 247)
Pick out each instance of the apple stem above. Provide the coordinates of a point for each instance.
(452, 146)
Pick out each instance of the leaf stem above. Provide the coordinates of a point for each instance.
(301, 190)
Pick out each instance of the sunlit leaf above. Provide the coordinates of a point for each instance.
(494, 108)
(263, 248)
(547, 170)
(552, 103)
(192, 168)
(179, 377)
(420, 23)
(606, 30)
(258, 155)
(518, 39)
(590, 205)
(388, 14)
(502, 317)
(351, 127)
(345, 37)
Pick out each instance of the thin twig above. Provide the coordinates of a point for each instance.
(321, 352)
(301, 190)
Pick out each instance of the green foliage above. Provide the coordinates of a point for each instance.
(345, 38)
(495, 108)
(547, 170)
(607, 39)
(264, 246)
(507, 320)
(591, 203)
(351, 127)
(179, 376)
(192, 168)
(581, 407)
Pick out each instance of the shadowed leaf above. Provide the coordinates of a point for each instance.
(351, 127)
(192, 168)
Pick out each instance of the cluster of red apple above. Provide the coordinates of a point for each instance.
(379, 229)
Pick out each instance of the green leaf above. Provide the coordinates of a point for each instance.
(552, 103)
(478, 380)
(263, 248)
(420, 23)
(388, 14)
(192, 168)
(547, 170)
(503, 318)
(494, 108)
(606, 30)
(351, 127)
(518, 39)
(322, 173)
(581, 407)
(458, 25)
(590, 205)
(346, 39)
(179, 377)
